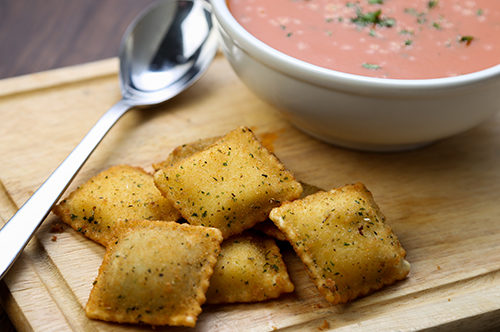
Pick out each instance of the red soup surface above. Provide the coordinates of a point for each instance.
(406, 39)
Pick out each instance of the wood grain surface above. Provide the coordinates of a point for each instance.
(442, 202)
(41, 35)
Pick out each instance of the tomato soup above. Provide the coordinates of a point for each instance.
(404, 39)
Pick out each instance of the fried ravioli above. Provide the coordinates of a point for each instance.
(249, 269)
(155, 273)
(232, 185)
(267, 227)
(342, 239)
(118, 194)
(185, 150)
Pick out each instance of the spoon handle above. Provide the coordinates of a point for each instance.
(17, 232)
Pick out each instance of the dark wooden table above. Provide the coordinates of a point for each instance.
(37, 35)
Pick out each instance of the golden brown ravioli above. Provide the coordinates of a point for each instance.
(342, 239)
(155, 273)
(117, 194)
(188, 149)
(249, 269)
(269, 228)
(185, 150)
(232, 185)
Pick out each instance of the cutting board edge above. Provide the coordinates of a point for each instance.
(56, 77)
(82, 74)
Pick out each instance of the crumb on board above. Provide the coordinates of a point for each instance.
(57, 227)
(267, 139)
(324, 326)
(53, 238)
(438, 267)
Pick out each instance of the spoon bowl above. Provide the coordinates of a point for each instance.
(164, 51)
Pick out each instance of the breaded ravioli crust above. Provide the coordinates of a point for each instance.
(342, 239)
(185, 150)
(232, 185)
(269, 228)
(188, 149)
(249, 269)
(156, 273)
(118, 194)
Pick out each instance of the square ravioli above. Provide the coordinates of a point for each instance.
(232, 185)
(185, 150)
(118, 194)
(269, 228)
(249, 269)
(155, 273)
(342, 239)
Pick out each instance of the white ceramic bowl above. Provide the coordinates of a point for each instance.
(357, 111)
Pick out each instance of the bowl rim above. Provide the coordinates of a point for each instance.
(331, 78)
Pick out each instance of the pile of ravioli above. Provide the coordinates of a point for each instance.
(203, 229)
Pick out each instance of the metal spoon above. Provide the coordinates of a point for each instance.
(163, 51)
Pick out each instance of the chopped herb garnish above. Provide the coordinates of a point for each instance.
(432, 3)
(479, 12)
(374, 18)
(411, 11)
(406, 32)
(371, 66)
(376, 2)
(408, 42)
(421, 19)
(466, 39)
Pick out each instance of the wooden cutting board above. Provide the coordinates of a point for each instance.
(443, 201)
